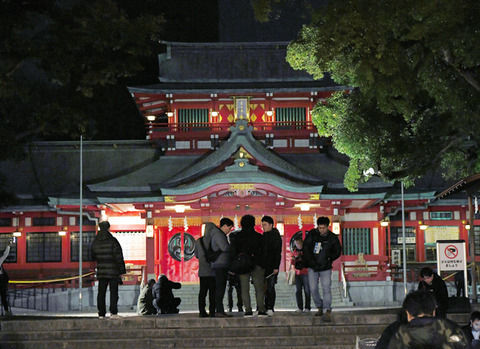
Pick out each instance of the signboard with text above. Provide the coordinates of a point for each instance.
(452, 256)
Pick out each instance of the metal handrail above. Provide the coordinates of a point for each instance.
(344, 280)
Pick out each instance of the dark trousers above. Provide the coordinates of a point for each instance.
(220, 286)
(102, 291)
(167, 306)
(301, 282)
(3, 292)
(207, 284)
(234, 282)
(270, 294)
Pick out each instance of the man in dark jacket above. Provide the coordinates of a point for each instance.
(320, 249)
(432, 282)
(273, 256)
(220, 266)
(424, 330)
(107, 252)
(164, 301)
(205, 273)
(250, 243)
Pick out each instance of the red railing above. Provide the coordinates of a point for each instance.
(276, 127)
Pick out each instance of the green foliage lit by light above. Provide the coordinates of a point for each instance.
(413, 70)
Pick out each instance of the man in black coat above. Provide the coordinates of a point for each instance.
(433, 283)
(250, 243)
(107, 252)
(424, 330)
(320, 249)
(273, 256)
(164, 301)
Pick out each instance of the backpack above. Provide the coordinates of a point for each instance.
(210, 255)
(242, 264)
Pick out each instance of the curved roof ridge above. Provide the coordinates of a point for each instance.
(241, 136)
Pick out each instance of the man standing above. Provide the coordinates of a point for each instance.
(220, 266)
(273, 256)
(423, 329)
(250, 245)
(205, 272)
(107, 252)
(434, 284)
(320, 249)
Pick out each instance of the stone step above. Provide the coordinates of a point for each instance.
(126, 333)
(283, 330)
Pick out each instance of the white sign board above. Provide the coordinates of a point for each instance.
(452, 256)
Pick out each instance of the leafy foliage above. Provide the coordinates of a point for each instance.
(412, 70)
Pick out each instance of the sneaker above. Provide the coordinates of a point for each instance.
(319, 312)
(306, 310)
(298, 310)
(100, 317)
(262, 314)
(115, 316)
(270, 312)
(327, 317)
(248, 314)
(240, 310)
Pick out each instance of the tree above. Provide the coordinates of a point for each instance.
(61, 65)
(412, 72)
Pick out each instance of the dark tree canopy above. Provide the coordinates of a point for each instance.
(413, 72)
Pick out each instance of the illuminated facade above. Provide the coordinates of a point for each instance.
(229, 132)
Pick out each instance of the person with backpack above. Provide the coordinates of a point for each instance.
(219, 243)
(205, 273)
(248, 261)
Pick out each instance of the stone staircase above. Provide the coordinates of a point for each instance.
(283, 330)
(285, 295)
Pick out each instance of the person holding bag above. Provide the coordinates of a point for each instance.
(248, 261)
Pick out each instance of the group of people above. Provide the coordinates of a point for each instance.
(422, 322)
(245, 256)
(156, 297)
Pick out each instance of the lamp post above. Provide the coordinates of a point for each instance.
(80, 257)
(404, 247)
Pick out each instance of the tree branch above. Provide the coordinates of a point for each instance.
(468, 76)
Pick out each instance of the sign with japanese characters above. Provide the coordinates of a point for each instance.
(451, 255)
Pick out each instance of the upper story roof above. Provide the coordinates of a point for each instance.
(227, 62)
